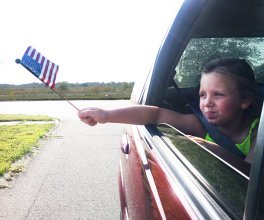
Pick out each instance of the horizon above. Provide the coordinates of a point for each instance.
(40, 83)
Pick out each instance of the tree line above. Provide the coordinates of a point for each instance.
(67, 84)
(88, 90)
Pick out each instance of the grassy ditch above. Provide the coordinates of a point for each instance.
(18, 140)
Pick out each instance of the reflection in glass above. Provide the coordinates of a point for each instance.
(220, 180)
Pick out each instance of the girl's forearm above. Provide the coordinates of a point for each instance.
(141, 114)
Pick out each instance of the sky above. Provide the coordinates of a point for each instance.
(90, 40)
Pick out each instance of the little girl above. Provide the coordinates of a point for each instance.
(228, 100)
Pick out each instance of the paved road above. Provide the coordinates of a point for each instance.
(73, 176)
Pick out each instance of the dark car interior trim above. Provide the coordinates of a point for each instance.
(237, 21)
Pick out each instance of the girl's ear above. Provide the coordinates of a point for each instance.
(245, 103)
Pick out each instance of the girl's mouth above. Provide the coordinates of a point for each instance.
(210, 114)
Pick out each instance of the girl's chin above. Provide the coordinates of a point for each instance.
(212, 121)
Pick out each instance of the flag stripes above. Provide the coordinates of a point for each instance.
(40, 66)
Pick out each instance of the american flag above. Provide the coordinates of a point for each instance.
(40, 66)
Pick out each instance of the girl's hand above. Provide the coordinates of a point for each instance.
(92, 116)
(203, 141)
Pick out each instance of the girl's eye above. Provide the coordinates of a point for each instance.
(202, 95)
(219, 94)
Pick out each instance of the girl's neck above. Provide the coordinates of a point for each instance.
(238, 130)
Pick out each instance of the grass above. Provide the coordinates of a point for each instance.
(19, 117)
(18, 140)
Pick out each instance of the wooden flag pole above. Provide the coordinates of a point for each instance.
(56, 91)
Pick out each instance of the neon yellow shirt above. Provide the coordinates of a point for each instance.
(244, 146)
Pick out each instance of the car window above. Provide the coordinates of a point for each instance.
(221, 179)
(200, 50)
(227, 185)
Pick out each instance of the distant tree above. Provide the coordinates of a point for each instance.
(124, 86)
(95, 89)
(10, 93)
(63, 86)
(259, 71)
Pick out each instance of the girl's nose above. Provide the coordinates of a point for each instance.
(208, 101)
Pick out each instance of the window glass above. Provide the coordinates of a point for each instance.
(227, 185)
(200, 50)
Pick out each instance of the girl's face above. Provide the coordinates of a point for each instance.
(220, 101)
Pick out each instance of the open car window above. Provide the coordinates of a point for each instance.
(222, 176)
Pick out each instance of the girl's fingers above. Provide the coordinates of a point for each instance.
(90, 121)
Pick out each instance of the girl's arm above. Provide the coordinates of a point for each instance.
(128, 115)
(141, 115)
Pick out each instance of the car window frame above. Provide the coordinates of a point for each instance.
(161, 74)
(255, 195)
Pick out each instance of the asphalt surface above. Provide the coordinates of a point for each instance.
(72, 176)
